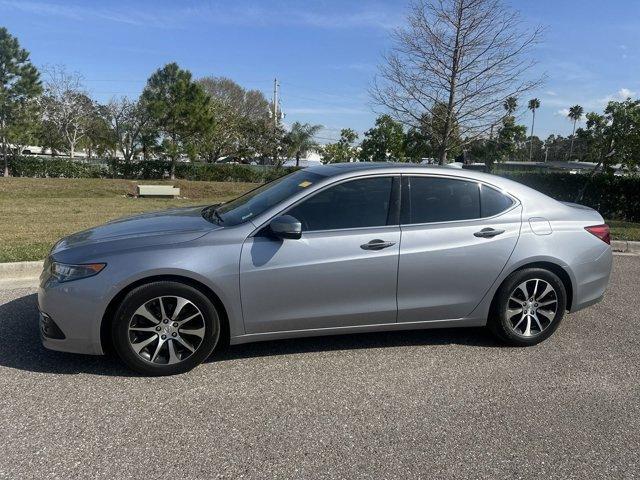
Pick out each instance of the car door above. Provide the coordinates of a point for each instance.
(457, 236)
(341, 272)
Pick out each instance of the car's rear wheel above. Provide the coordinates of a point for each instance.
(165, 328)
(528, 307)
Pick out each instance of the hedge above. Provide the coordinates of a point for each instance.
(615, 197)
(148, 169)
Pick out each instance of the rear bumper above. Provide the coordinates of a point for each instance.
(592, 279)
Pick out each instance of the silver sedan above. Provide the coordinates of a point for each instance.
(326, 250)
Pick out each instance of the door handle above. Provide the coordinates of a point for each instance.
(488, 233)
(376, 244)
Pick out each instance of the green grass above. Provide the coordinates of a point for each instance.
(624, 230)
(35, 213)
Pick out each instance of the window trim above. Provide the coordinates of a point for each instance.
(395, 203)
(404, 196)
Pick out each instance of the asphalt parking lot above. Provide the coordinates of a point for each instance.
(429, 404)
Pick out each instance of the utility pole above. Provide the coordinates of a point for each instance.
(276, 85)
(276, 117)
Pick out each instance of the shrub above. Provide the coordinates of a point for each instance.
(615, 197)
(146, 169)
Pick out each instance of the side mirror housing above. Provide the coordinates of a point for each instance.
(286, 226)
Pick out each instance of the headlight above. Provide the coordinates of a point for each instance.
(65, 273)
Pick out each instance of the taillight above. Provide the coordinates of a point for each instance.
(600, 231)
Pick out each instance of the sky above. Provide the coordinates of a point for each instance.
(324, 53)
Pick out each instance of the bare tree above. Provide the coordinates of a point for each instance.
(67, 106)
(128, 120)
(468, 55)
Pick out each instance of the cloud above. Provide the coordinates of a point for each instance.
(244, 14)
(620, 95)
(326, 111)
(551, 93)
(563, 112)
(625, 93)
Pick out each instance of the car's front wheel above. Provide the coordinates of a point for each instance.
(528, 307)
(165, 328)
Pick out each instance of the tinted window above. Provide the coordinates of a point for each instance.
(261, 199)
(354, 204)
(433, 199)
(493, 202)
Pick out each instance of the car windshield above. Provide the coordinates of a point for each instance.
(261, 199)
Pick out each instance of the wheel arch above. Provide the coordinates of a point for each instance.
(555, 268)
(106, 341)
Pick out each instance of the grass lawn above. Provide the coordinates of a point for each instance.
(35, 213)
(624, 230)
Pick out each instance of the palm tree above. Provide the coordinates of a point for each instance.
(575, 114)
(534, 104)
(299, 140)
(510, 105)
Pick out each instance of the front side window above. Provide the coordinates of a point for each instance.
(259, 200)
(431, 199)
(352, 204)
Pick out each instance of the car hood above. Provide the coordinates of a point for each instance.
(156, 228)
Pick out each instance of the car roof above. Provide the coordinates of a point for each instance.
(344, 169)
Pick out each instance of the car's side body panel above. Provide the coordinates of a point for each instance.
(325, 279)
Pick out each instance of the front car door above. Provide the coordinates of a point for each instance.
(341, 273)
(457, 236)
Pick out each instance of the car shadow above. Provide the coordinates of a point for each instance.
(20, 346)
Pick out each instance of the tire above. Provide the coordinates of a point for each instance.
(165, 328)
(517, 318)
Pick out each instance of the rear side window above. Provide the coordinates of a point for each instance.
(353, 204)
(493, 202)
(432, 199)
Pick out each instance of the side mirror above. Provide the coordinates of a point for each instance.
(286, 226)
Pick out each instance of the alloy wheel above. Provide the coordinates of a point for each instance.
(532, 307)
(166, 330)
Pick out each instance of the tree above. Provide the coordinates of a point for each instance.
(99, 136)
(510, 135)
(417, 144)
(67, 106)
(128, 120)
(468, 55)
(510, 105)
(575, 114)
(240, 120)
(19, 86)
(343, 150)
(300, 139)
(178, 107)
(383, 142)
(534, 104)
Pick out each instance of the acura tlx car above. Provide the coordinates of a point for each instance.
(326, 250)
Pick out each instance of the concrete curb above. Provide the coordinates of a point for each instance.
(20, 270)
(625, 246)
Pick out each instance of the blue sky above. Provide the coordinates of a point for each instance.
(324, 53)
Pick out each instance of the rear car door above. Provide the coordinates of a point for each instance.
(343, 270)
(457, 235)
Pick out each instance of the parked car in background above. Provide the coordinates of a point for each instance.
(345, 248)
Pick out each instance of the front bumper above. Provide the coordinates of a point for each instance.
(70, 316)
